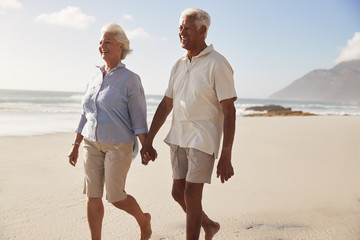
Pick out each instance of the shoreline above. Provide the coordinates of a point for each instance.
(295, 178)
(257, 115)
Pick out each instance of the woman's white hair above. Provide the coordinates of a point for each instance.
(202, 17)
(120, 37)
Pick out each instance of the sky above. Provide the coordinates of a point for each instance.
(53, 44)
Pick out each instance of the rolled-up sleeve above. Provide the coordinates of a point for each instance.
(137, 106)
(81, 123)
(83, 119)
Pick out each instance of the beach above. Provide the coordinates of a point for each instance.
(295, 178)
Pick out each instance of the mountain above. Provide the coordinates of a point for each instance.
(341, 83)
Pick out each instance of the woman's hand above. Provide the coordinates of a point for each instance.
(73, 155)
(148, 153)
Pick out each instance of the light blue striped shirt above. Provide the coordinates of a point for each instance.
(114, 107)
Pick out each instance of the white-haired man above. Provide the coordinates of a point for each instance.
(201, 94)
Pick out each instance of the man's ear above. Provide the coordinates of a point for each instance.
(203, 29)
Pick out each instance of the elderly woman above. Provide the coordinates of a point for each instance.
(114, 113)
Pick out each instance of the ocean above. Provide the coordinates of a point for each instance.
(24, 113)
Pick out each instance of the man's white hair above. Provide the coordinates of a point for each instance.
(202, 18)
(119, 35)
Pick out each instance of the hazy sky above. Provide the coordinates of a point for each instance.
(53, 44)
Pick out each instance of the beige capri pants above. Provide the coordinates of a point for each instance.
(106, 163)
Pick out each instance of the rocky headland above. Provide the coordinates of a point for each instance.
(274, 110)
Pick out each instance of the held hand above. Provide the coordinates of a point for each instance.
(145, 158)
(148, 153)
(73, 156)
(224, 169)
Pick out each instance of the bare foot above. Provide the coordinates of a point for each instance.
(211, 230)
(145, 228)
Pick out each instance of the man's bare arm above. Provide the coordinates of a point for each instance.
(160, 116)
(224, 169)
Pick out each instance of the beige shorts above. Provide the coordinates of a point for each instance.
(191, 164)
(106, 163)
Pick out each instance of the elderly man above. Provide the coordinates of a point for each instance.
(201, 94)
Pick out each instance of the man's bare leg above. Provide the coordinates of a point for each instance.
(194, 212)
(95, 214)
(131, 206)
(210, 227)
(178, 192)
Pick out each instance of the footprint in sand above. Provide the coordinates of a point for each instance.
(274, 227)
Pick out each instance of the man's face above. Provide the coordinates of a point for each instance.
(189, 34)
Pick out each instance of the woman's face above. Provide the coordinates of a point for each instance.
(110, 50)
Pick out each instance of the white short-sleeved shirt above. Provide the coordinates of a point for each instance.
(197, 87)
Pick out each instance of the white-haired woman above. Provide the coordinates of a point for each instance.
(114, 114)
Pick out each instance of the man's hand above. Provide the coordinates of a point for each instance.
(224, 168)
(148, 153)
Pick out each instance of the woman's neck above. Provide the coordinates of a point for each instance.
(109, 66)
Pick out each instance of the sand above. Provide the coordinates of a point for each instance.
(295, 178)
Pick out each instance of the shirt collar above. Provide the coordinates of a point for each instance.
(207, 50)
(120, 65)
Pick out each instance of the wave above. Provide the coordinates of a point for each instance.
(70, 102)
(39, 112)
